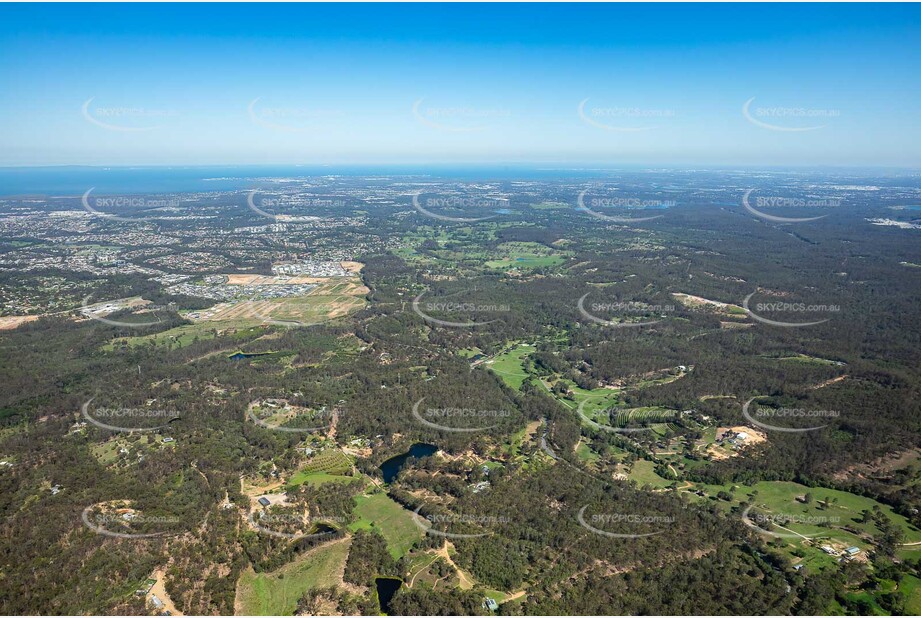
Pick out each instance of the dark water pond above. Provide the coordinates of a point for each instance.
(391, 468)
(386, 588)
(323, 528)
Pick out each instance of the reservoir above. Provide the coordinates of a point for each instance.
(386, 588)
(391, 468)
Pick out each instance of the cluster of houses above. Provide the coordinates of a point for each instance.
(311, 268)
(215, 290)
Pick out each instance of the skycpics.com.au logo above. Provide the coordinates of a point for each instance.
(98, 311)
(291, 119)
(622, 119)
(432, 523)
(764, 522)
(629, 314)
(458, 308)
(323, 312)
(626, 205)
(275, 524)
(457, 119)
(786, 119)
(761, 414)
(659, 418)
(128, 420)
(436, 417)
(266, 206)
(763, 202)
(115, 522)
(449, 203)
(789, 308)
(318, 420)
(124, 202)
(125, 119)
(622, 520)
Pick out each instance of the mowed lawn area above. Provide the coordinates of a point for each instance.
(911, 586)
(644, 473)
(379, 512)
(276, 593)
(780, 497)
(510, 364)
(318, 478)
(525, 255)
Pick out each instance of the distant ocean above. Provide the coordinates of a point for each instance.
(74, 181)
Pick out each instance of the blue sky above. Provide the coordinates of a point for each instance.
(416, 83)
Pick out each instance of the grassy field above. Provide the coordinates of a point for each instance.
(328, 466)
(802, 358)
(379, 512)
(524, 255)
(318, 478)
(594, 400)
(643, 472)
(276, 593)
(526, 261)
(327, 301)
(330, 461)
(911, 587)
(513, 445)
(185, 335)
(510, 364)
(779, 498)
(586, 454)
(108, 452)
(180, 336)
(336, 298)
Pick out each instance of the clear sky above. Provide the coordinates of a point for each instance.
(416, 83)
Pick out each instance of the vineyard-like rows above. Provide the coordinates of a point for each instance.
(640, 416)
(330, 461)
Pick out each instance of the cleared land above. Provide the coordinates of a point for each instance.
(332, 299)
(14, 321)
(330, 466)
(823, 519)
(241, 320)
(277, 593)
(699, 302)
(379, 512)
(524, 255)
(238, 279)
